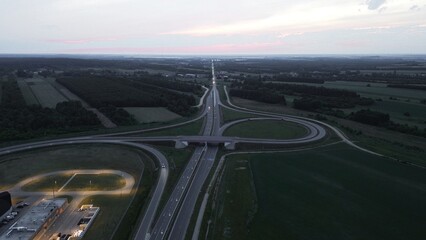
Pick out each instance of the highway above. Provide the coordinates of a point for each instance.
(178, 209)
(173, 220)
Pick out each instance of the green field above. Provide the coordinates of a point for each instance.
(152, 114)
(26, 91)
(47, 183)
(334, 192)
(46, 94)
(95, 182)
(270, 129)
(230, 115)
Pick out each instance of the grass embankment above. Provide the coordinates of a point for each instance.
(95, 182)
(47, 183)
(237, 201)
(269, 129)
(230, 115)
(334, 192)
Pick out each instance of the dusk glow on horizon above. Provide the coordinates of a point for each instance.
(213, 27)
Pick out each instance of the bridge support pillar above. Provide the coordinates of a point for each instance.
(229, 145)
(181, 144)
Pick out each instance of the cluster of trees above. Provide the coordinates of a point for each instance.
(308, 104)
(370, 117)
(19, 121)
(102, 92)
(404, 128)
(258, 95)
(74, 114)
(408, 86)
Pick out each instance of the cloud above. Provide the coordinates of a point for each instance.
(215, 48)
(287, 34)
(81, 41)
(374, 4)
(415, 8)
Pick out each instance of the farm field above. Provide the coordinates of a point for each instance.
(28, 94)
(270, 129)
(335, 192)
(46, 94)
(37, 91)
(47, 183)
(152, 114)
(64, 91)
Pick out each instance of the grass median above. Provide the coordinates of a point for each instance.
(268, 129)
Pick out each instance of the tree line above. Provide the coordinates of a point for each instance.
(312, 97)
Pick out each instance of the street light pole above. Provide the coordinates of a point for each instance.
(53, 190)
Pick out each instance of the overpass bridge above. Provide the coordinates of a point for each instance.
(184, 141)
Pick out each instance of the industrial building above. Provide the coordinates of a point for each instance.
(36, 219)
(5, 204)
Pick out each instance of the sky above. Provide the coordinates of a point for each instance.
(220, 27)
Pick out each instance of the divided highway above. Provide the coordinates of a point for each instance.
(173, 220)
